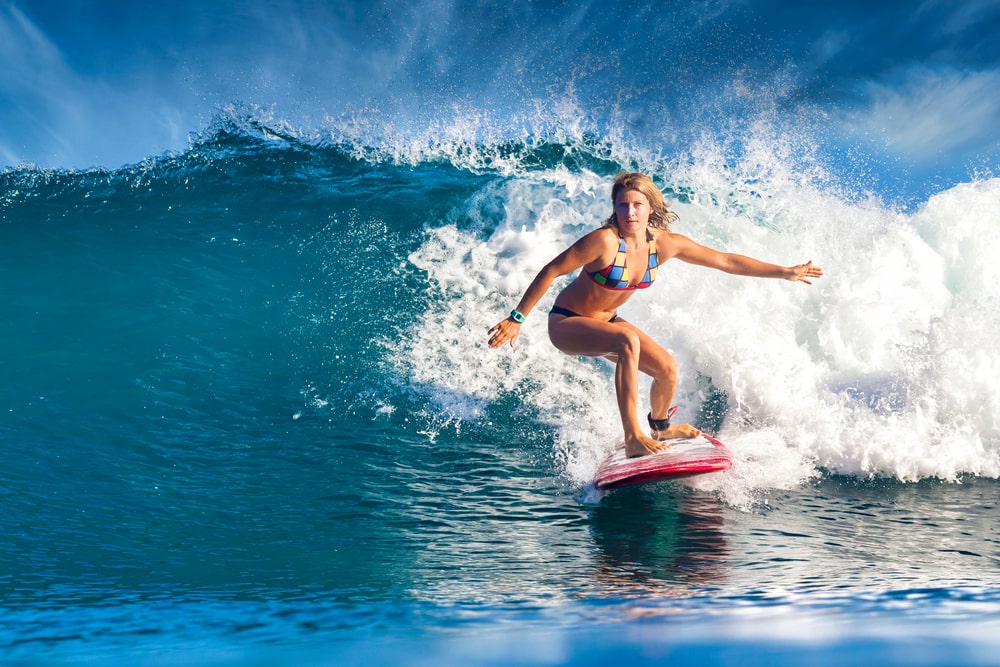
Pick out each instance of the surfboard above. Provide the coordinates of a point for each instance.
(691, 456)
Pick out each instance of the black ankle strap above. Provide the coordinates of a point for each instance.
(658, 424)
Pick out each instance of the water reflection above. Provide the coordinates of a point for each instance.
(660, 534)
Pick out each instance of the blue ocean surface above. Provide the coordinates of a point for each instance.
(249, 254)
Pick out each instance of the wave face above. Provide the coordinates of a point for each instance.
(256, 271)
(250, 381)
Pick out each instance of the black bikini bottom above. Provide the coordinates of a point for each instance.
(556, 310)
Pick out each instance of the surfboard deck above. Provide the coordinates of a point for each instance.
(692, 456)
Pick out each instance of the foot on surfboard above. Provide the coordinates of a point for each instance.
(642, 446)
(662, 429)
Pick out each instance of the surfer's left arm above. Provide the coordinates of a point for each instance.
(688, 251)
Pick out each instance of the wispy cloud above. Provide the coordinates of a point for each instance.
(960, 16)
(52, 114)
(34, 80)
(22, 45)
(927, 114)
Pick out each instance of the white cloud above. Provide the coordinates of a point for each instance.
(55, 116)
(926, 114)
(960, 15)
(22, 45)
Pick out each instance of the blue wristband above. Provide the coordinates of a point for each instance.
(517, 316)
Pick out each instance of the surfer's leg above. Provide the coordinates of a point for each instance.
(594, 338)
(656, 362)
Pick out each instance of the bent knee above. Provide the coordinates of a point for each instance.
(664, 366)
(628, 343)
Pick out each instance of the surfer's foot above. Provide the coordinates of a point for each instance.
(641, 445)
(676, 432)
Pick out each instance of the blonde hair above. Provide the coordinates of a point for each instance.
(660, 216)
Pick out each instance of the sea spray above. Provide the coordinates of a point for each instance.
(843, 376)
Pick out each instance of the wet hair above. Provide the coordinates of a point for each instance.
(660, 216)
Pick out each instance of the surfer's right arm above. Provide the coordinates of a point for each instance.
(584, 251)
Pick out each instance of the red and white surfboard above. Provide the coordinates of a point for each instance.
(691, 456)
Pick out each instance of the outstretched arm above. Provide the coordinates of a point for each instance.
(741, 265)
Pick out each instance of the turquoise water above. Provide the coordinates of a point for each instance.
(249, 416)
(247, 410)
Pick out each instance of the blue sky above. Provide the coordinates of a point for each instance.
(102, 82)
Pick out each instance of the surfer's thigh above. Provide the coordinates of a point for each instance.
(589, 337)
(654, 359)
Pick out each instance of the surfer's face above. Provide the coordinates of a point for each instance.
(632, 210)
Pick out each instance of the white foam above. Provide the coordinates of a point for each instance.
(886, 366)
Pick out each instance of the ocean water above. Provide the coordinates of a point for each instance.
(248, 414)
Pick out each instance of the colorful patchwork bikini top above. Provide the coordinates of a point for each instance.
(615, 276)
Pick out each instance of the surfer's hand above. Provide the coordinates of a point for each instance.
(802, 272)
(503, 331)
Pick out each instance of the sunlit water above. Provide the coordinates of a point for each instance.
(249, 416)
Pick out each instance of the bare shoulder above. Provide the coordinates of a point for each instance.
(596, 240)
(601, 235)
(669, 244)
(589, 248)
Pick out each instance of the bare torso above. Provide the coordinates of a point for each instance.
(586, 297)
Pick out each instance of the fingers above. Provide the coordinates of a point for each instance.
(806, 271)
(496, 339)
(500, 334)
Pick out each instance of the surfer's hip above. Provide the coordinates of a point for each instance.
(566, 312)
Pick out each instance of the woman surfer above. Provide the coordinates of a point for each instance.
(616, 260)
